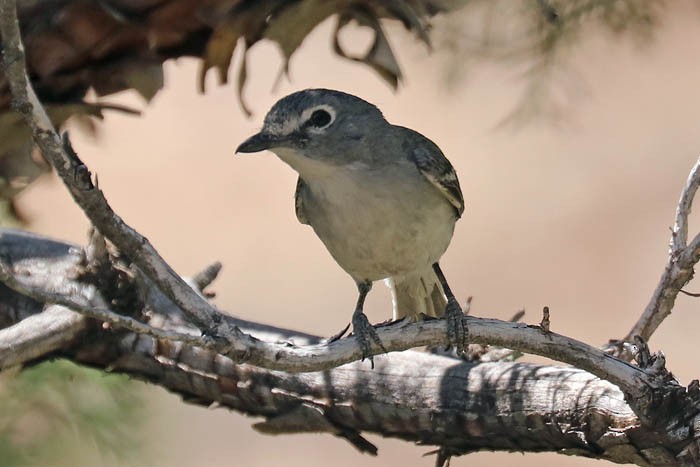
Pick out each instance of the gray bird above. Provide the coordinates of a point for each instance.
(382, 198)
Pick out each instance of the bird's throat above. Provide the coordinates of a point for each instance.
(308, 168)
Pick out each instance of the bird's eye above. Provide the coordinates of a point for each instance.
(319, 118)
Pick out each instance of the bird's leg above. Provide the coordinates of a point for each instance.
(457, 331)
(361, 327)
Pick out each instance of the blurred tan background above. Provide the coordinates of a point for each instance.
(572, 213)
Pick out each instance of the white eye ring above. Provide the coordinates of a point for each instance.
(308, 113)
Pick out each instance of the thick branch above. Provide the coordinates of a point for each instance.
(398, 336)
(412, 395)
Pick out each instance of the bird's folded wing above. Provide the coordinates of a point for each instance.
(437, 169)
(298, 203)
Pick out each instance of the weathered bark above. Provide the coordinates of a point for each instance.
(434, 400)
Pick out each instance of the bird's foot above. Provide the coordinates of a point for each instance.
(366, 335)
(457, 331)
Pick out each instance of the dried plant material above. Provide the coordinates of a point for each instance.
(379, 56)
(288, 23)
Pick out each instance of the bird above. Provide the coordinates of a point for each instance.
(382, 198)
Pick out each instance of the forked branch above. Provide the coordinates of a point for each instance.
(679, 270)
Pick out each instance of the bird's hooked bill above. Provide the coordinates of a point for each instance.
(258, 142)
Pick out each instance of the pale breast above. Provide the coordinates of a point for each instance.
(378, 225)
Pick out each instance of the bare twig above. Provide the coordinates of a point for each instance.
(544, 324)
(679, 268)
(202, 279)
(679, 238)
(518, 315)
(467, 305)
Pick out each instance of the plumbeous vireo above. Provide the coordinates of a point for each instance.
(382, 198)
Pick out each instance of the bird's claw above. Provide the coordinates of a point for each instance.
(365, 332)
(457, 331)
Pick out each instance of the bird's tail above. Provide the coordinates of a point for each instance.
(416, 294)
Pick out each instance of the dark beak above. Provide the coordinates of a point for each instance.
(258, 142)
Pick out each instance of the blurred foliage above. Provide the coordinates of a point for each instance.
(536, 38)
(59, 414)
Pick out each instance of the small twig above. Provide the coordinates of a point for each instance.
(679, 267)
(544, 324)
(694, 389)
(202, 279)
(690, 294)
(679, 237)
(467, 305)
(518, 315)
(96, 250)
(642, 355)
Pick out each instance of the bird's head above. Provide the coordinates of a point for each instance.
(318, 127)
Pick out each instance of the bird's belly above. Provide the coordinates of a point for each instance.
(383, 234)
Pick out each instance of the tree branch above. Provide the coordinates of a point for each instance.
(679, 269)
(399, 336)
(415, 396)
